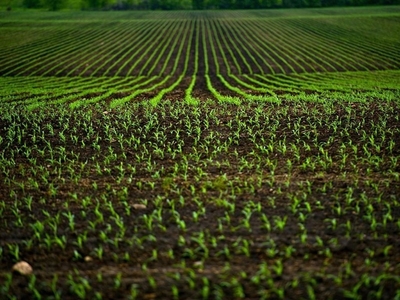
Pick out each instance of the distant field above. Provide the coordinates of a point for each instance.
(200, 155)
(129, 56)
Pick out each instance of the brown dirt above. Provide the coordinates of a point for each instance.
(345, 260)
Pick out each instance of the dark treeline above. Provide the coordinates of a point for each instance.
(242, 4)
(202, 4)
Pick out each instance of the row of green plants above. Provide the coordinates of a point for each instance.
(231, 57)
(135, 47)
(34, 92)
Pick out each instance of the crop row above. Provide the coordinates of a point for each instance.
(355, 86)
(198, 55)
(239, 46)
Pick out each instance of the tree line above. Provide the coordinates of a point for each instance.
(262, 4)
(200, 4)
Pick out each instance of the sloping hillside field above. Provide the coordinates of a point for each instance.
(200, 155)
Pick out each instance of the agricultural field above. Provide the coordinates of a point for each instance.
(200, 155)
